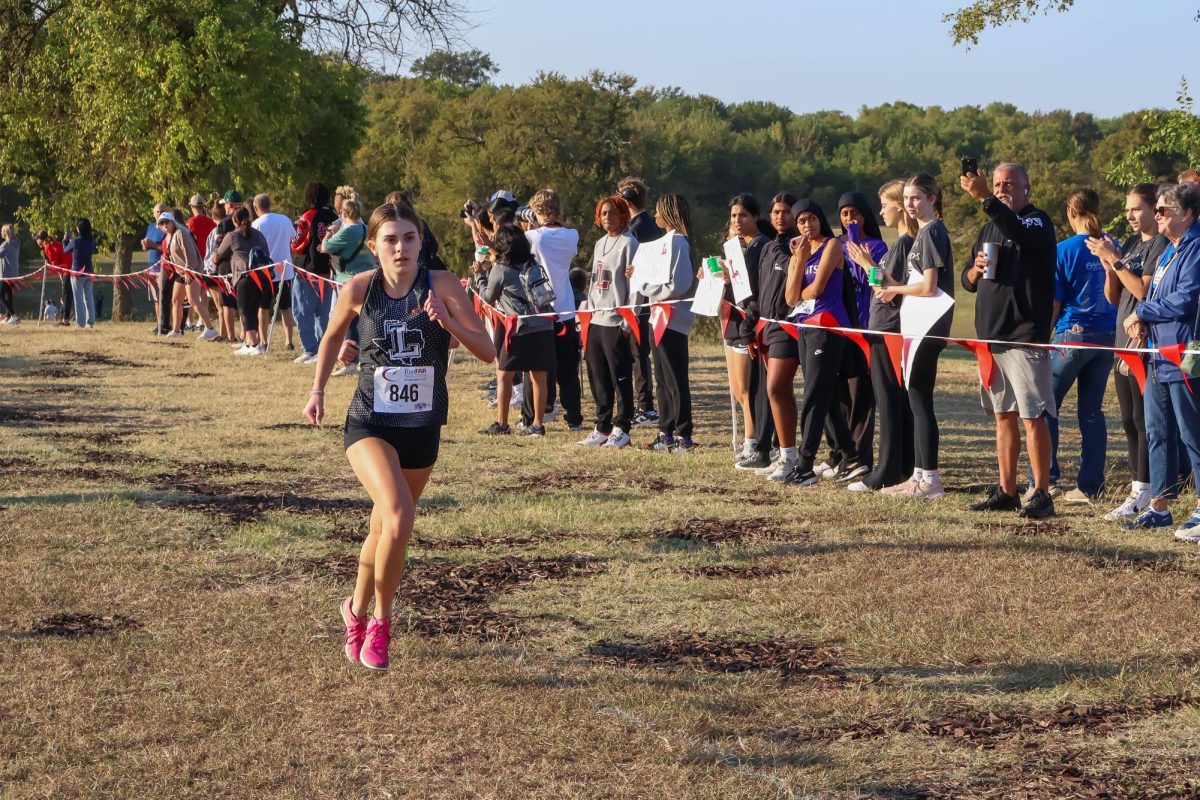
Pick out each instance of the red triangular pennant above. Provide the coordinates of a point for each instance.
(983, 356)
(660, 316)
(1174, 354)
(1137, 367)
(896, 345)
(630, 316)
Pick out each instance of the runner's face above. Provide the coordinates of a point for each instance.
(890, 211)
(397, 245)
(808, 223)
(610, 220)
(781, 218)
(850, 214)
(1140, 215)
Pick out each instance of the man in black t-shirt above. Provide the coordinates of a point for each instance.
(1014, 302)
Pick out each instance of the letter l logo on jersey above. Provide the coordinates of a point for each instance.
(401, 344)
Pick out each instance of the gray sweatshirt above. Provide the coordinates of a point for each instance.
(10, 258)
(610, 287)
(681, 285)
(505, 291)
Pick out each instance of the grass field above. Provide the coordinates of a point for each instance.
(574, 624)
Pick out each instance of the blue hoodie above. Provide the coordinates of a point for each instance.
(1170, 307)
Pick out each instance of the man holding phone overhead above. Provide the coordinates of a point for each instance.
(1011, 271)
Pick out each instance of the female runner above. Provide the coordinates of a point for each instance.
(406, 315)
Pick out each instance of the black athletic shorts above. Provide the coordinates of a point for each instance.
(784, 349)
(417, 448)
(285, 296)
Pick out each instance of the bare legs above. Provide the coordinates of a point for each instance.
(738, 366)
(781, 376)
(394, 492)
(1008, 449)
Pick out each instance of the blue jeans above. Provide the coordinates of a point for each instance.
(1090, 368)
(85, 300)
(1172, 417)
(311, 313)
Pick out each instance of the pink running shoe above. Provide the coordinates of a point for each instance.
(374, 653)
(356, 630)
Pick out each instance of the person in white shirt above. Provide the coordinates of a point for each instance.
(554, 247)
(278, 230)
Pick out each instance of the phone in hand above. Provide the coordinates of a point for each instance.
(970, 164)
(854, 233)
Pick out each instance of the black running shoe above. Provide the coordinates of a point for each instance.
(997, 500)
(1039, 506)
(802, 479)
(496, 429)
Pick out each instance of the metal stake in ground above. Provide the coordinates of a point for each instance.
(275, 313)
(41, 309)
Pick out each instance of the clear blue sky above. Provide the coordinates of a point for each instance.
(1100, 57)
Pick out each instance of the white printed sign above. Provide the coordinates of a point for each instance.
(739, 277)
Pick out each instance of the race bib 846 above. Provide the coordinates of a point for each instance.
(403, 390)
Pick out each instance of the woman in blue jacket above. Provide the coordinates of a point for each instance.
(1168, 317)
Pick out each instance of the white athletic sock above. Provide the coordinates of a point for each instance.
(750, 444)
(789, 454)
(917, 475)
(931, 476)
(1141, 487)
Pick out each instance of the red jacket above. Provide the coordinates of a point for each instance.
(55, 256)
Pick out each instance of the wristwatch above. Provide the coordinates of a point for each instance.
(1118, 265)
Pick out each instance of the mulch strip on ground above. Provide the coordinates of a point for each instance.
(730, 531)
(76, 625)
(748, 572)
(709, 653)
(88, 359)
(984, 730)
(453, 600)
(55, 373)
(191, 374)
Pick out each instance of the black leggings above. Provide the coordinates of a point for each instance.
(921, 377)
(764, 421)
(68, 301)
(610, 374)
(1133, 420)
(6, 298)
(671, 379)
(249, 296)
(821, 360)
(895, 461)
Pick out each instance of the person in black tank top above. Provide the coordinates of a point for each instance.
(407, 316)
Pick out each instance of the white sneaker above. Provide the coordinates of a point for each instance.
(618, 438)
(553, 414)
(174, 334)
(309, 361)
(823, 470)
(746, 452)
(13, 320)
(245, 350)
(594, 439)
(1134, 504)
(261, 350)
(518, 396)
(349, 369)
(302, 358)
(927, 491)
(859, 486)
(784, 472)
(208, 335)
(770, 468)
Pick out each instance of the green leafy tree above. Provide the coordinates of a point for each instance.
(470, 69)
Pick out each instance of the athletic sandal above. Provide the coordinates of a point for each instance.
(374, 653)
(356, 630)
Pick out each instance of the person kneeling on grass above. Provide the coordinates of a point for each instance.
(407, 315)
(528, 349)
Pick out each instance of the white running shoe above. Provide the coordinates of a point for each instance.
(349, 369)
(927, 491)
(1134, 504)
(518, 396)
(594, 439)
(245, 350)
(303, 358)
(859, 486)
(174, 334)
(770, 468)
(13, 320)
(824, 470)
(785, 471)
(208, 335)
(900, 489)
(309, 361)
(553, 414)
(618, 438)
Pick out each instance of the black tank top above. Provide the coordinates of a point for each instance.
(393, 335)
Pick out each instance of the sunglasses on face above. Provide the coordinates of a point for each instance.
(1161, 211)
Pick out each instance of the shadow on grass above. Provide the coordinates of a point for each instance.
(63, 498)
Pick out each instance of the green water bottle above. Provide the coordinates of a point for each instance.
(875, 276)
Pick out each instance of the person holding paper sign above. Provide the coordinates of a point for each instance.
(744, 226)
(643, 228)
(815, 285)
(930, 272)
(609, 360)
(895, 457)
(671, 352)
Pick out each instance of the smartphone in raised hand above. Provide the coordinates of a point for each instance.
(970, 164)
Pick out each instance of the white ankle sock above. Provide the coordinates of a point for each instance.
(931, 476)
(789, 454)
(1140, 488)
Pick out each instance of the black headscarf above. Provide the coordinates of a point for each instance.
(870, 215)
(808, 206)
